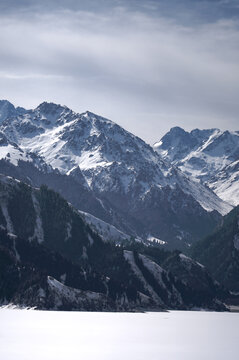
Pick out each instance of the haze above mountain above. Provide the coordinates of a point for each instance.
(148, 65)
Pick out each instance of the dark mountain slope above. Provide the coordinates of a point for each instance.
(52, 259)
(219, 252)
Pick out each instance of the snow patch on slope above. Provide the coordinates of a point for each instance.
(38, 231)
(236, 241)
(68, 231)
(10, 228)
(154, 268)
(189, 261)
(156, 240)
(76, 298)
(106, 231)
(129, 256)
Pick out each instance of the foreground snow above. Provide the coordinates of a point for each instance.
(27, 335)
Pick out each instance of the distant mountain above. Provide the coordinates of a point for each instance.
(219, 252)
(134, 189)
(209, 156)
(51, 259)
(7, 109)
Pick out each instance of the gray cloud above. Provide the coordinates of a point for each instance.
(137, 65)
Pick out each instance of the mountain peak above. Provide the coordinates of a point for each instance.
(51, 108)
(176, 143)
(6, 109)
(90, 115)
(4, 102)
(177, 130)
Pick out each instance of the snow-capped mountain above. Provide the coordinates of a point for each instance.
(210, 156)
(142, 193)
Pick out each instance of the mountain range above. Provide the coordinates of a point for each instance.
(93, 218)
(123, 180)
(51, 259)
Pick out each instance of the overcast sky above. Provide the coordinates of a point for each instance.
(147, 65)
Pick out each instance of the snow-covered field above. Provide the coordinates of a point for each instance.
(176, 335)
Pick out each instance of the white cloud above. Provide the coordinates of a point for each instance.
(146, 72)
